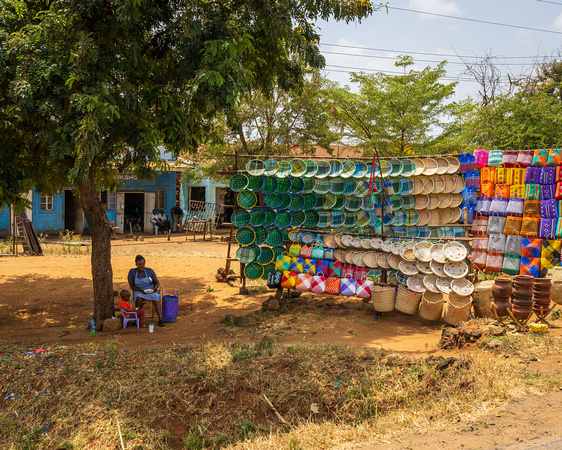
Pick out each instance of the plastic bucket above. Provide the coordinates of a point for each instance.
(170, 305)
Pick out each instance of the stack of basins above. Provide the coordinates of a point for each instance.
(501, 290)
(522, 296)
(541, 296)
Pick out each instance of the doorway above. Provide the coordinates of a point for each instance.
(69, 211)
(134, 211)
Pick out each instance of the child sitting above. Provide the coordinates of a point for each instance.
(127, 307)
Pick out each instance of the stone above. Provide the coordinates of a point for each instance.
(494, 343)
(483, 298)
(111, 325)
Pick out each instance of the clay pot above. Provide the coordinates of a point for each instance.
(522, 292)
(501, 287)
(545, 310)
(542, 301)
(501, 305)
(522, 302)
(521, 313)
(524, 280)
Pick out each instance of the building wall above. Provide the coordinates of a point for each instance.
(210, 191)
(49, 222)
(163, 181)
(4, 221)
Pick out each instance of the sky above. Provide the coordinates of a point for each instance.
(402, 31)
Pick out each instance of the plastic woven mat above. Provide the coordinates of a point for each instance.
(337, 186)
(283, 219)
(261, 235)
(309, 184)
(408, 167)
(309, 201)
(238, 182)
(311, 168)
(270, 167)
(257, 217)
(254, 183)
(266, 255)
(350, 187)
(340, 203)
(361, 169)
(353, 203)
(323, 169)
(274, 237)
(273, 200)
(270, 217)
(286, 201)
(253, 271)
(283, 169)
(349, 219)
(297, 185)
(395, 167)
(246, 254)
(247, 199)
(297, 202)
(337, 219)
(321, 186)
(311, 219)
(348, 169)
(409, 202)
(240, 218)
(283, 185)
(336, 168)
(269, 185)
(255, 167)
(324, 219)
(298, 167)
(297, 218)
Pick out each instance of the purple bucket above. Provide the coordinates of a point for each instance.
(170, 305)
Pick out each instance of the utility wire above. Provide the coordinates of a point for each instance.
(426, 53)
(488, 22)
(546, 1)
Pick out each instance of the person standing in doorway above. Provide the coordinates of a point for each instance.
(177, 216)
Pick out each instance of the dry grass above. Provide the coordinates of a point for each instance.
(212, 396)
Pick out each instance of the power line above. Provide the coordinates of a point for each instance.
(416, 60)
(546, 1)
(425, 53)
(488, 22)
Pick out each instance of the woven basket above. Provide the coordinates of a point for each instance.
(274, 238)
(413, 218)
(286, 201)
(357, 259)
(409, 202)
(273, 200)
(297, 185)
(270, 167)
(423, 232)
(362, 189)
(382, 261)
(427, 185)
(438, 184)
(240, 218)
(311, 168)
(339, 254)
(324, 219)
(400, 218)
(350, 187)
(247, 254)
(383, 298)
(449, 183)
(309, 202)
(283, 185)
(269, 185)
(446, 216)
(456, 200)
(454, 164)
(337, 218)
(370, 260)
(445, 200)
(433, 201)
(255, 183)
(442, 165)
(349, 256)
(320, 202)
(283, 169)
(257, 217)
(457, 213)
(270, 217)
(296, 204)
(255, 167)
(457, 309)
(394, 261)
(408, 167)
(340, 202)
(238, 182)
(414, 232)
(330, 240)
(349, 219)
(283, 219)
(247, 199)
(459, 184)
(336, 168)
(385, 168)
(363, 218)
(261, 235)
(407, 301)
(348, 169)
(406, 186)
(337, 186)
(298, 167)
(352, 203)
(309, 184)
(418, 185)
(430, 166)
(395, 167)
(361, 169)
(424, 217)
(321, 186)
(422, 201)
(297, 218)
(253, 271)
(434, 218)
(266, 256)
(323, 169)
(431, 306)
(420, 166)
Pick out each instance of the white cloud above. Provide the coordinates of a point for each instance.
(558, 23)
(435, 6)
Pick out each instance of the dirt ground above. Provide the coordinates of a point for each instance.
(48, 301)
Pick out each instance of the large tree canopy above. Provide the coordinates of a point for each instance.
(90, 87)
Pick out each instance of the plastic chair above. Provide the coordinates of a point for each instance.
(133, 317)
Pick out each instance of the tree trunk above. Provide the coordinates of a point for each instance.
(102, 272)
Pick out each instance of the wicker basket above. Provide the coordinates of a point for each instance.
(457, 309)
(420, 166)
(407, 301)
(431, 306)
(430, 166)
(438, 184)
(442, 165)
(383, 298)
(454, 164)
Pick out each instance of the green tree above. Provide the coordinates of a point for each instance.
(94, 87)
(394, 113)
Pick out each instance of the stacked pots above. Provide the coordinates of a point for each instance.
(501, 290)
(522, 296)
(541, 296)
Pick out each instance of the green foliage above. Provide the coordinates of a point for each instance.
(394, 113)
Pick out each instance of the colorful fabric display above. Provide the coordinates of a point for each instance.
(306, 251)
(274, 279)
(483, 205)
(288, 280)
(347, 271)
(509, 158)
(548, 175)
(466, 161)
(283, 262)
(532, 191)
(517, 190)
(512, 225)
(496, 224)
(322, 266)
(548, 191)
(295, 250)
(297, 265)
(480, 224)
(503, 175)
(530, 266)
(532, 207)
(480, 243)
(554, 157)
(511, 264)
(496, 243)
(318, 285)
(364, 288)
(532, 175)
(502, 190)
(524, 158)
(333, 285)
(518, 175)
(530, 226)
(531, 248)
(558, 231)
(547, 228)
(513, 244)
(481, 158)
(329, 253)
(479, 258)
(499, 206)
(472, 179)
(549, 209)
(304, 282)
(334, 269)
(495, 157)
(488, 175)
(360, 273)
(318, 252)
(515, 206)
(559, 174)
(550, 255)
(469, 196)
(348, 287)
(494, 261)
(469, 209)
(539, 158)
(309, 266)
(558, 192)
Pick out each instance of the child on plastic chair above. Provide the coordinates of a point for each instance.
(127, 307)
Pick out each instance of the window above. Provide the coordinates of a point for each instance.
(160, 199)
(197, 193)
(46, 203)
(109, 198)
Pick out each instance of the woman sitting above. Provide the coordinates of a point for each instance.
(144, 284)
